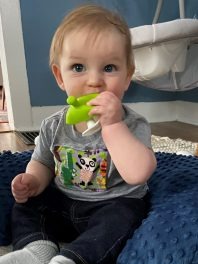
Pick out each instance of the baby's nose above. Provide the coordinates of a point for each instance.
(95, 79)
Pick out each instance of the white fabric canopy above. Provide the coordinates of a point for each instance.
(166, 55)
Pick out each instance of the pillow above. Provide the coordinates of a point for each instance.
(169, 234)
(11, 164)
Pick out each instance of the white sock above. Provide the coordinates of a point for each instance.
(61, 260)
(37, 252)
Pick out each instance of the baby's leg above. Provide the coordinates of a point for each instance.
(105, 227)
(33, 231)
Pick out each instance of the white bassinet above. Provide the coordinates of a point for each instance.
(166, 55)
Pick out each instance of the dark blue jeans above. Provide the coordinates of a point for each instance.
(93, 232)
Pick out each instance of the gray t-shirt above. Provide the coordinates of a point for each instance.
(83, 167)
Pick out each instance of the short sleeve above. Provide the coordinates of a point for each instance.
(142, 131)
(138, 126)
(42, 151)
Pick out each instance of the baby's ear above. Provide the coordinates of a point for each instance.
(129, 77)
(128, 81)
(131, 71)
(57, 74)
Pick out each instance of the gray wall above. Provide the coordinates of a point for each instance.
(39, 21)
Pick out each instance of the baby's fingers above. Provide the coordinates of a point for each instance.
(20, 199)
(18, 186)
(20, 196)
(20, 193)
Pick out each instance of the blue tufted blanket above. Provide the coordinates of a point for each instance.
(169, 234)
(11, 164)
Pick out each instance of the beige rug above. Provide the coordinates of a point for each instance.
(178, 146)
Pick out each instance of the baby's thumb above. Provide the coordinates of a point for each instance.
(17, 183)
(25, 179)
(29, 181)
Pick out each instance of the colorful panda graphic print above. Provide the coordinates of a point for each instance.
(85, 169)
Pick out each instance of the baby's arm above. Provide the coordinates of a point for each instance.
(31, 183)
(134, 161)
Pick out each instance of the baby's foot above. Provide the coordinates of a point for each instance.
(61, 260)
(38, 252)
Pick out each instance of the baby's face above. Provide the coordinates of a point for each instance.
(93, 65)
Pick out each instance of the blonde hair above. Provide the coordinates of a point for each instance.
(96, 19)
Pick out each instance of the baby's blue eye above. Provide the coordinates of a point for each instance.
(109, 68)
(78, 68)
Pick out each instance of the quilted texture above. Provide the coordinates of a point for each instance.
(11, 164)
(169, 235)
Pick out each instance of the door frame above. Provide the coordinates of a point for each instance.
(12, 56)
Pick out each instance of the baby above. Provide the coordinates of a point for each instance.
(86, 191)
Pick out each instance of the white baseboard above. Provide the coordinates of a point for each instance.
(156, 111)
(181, 111)
(187, 112)
(153, 111)
(38, 115)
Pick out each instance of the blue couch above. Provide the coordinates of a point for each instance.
(168, 235)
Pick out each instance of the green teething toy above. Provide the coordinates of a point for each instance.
(79, 110)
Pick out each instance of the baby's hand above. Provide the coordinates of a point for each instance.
(108, 107)
(24, 186)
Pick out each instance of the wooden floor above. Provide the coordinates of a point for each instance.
(175, 130)
(10, 141)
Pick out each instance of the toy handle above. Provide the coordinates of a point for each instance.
(79, 112)
(72, 100)
(93, 127)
